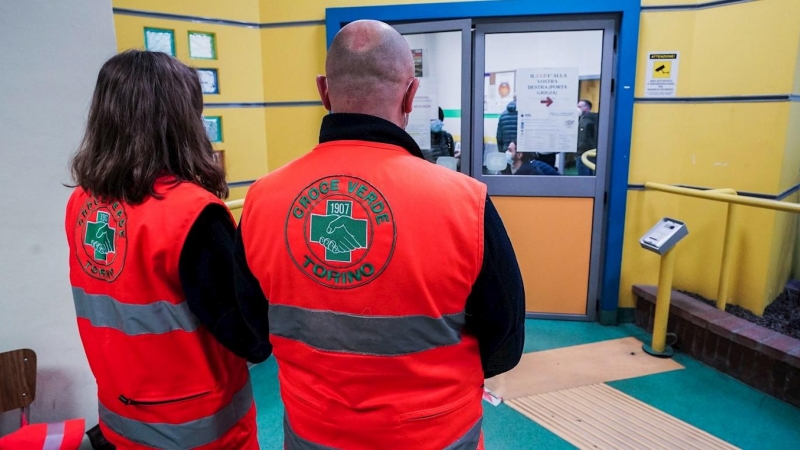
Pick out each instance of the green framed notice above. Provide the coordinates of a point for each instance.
(213, 126)
(202, 45)
(209, 80)
(159, 40)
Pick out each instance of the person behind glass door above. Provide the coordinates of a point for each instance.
(441, 141)
(587, 135)
(524, 163)
(507, 126)
(151, 265)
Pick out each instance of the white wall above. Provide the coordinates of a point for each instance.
(52, 51)
(441, 60)
(512, 51)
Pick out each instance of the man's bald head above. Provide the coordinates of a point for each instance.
(369, 69)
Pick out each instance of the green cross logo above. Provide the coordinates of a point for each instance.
(338, 232)
(100, 236)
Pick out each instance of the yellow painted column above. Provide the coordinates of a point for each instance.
(728, 260)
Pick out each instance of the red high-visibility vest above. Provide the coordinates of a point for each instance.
(367, 255)
(66, 435)
(163, 380)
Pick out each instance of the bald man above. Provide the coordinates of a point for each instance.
(386, 302)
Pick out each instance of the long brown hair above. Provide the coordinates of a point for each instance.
(145, 122)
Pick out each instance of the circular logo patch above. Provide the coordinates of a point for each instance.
(101, 239)
(340, 232)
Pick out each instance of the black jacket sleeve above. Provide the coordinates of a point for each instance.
(499, 136)
(206, 271)
(496, 306)
(252, 301)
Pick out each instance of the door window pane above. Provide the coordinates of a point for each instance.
(541, 99)
(435, 121)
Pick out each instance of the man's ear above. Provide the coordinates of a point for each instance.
(322, 87)
(408, 99)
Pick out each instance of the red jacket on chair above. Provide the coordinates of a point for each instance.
(66, 435)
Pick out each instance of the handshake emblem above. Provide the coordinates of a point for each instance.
(100, 236)
(338, 231)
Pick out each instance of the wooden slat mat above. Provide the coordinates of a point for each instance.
(580, 365)
(601, 417)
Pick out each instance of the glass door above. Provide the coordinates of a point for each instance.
(440, 120)
(516, 105)
(542, 96)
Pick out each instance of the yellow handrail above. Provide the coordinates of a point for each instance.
(722, 195)
(235, 204)
(733, 200)
(585, 158)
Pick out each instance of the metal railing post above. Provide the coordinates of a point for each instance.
(727, 259)
(658, 346)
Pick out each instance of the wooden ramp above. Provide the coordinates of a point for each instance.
(580, 365)
(601, 417)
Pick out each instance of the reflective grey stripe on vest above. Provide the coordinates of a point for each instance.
(366, 335)
(470, 440)
(190, 434)
(153, 318)
(55, 435)
(291, 441)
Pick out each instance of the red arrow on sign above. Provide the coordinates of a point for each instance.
(547, 102)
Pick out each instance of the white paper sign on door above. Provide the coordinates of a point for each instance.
(425, 109)
(662, 74)
(547, 119)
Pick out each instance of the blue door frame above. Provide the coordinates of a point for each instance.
(628, 13)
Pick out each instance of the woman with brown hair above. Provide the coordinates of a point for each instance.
(150, 265)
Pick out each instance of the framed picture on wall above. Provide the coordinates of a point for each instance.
(417, 55)
(159, 40)
(219, 157)
(499, 91)
(213, 127)
(202, 45)
(209, 80)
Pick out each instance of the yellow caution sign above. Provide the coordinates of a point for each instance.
(662, 74)
(662, 69)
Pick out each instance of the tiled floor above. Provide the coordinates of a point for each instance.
(699, 395)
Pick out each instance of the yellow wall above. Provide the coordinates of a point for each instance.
(723, 50)
(290, 68)
(238, 49)
(590, 90)
(746, 146)
(244, 142)
(240, 10)
(301, 10)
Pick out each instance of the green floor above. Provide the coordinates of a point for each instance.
(698, 395)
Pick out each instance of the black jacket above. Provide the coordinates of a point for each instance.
(206, 271)
(441, 145)
(507, 127)
(532, 168)
(587, 132)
